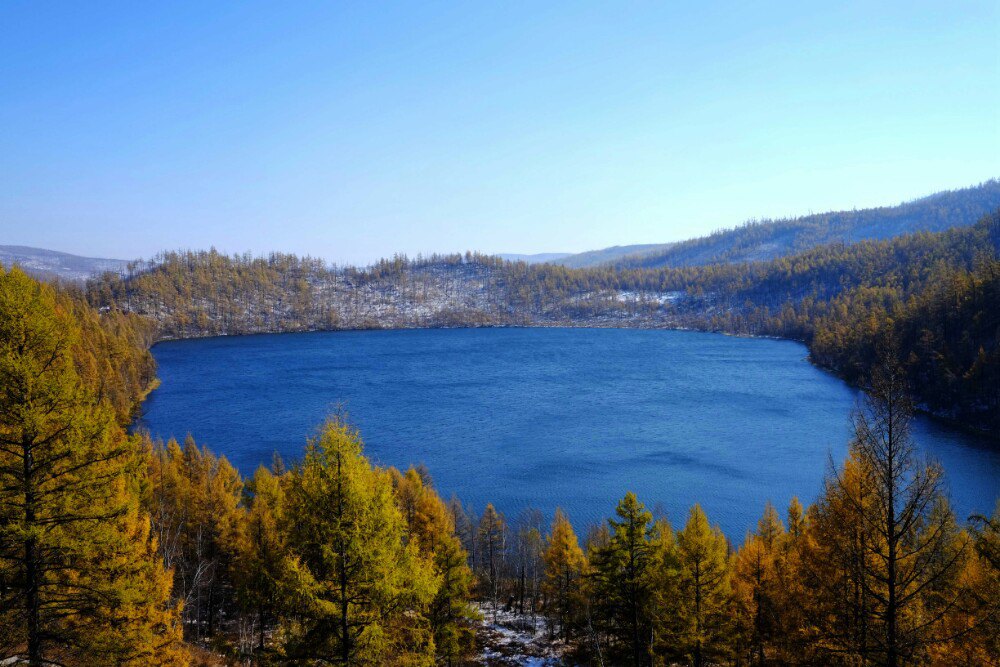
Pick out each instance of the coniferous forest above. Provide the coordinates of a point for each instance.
(931, 301)
(116, 550)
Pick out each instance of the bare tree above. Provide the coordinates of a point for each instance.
(910, 544)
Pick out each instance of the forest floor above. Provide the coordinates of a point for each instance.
(508, 638)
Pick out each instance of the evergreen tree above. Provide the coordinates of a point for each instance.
(360, 593)
(81, 582)
(704, 589)
(565, 565)
(623, 582)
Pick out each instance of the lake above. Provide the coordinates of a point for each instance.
(548, 417)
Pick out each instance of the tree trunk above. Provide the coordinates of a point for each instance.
(31, 573)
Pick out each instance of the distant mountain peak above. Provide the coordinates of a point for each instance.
(52, 263)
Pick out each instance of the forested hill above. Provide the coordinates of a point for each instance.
(770, 239)
(936, 294)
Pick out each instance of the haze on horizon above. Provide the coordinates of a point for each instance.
(351, 132)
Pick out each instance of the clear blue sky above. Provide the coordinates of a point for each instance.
(354, 130)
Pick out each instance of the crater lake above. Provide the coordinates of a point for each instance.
(548, 417)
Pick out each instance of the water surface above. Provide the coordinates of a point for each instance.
(548, 417)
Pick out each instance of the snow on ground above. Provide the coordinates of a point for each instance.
(626, 296)
(515, 639)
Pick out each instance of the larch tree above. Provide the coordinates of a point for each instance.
(751, 569)
(796, 518)
(431, 527)
(492, 542)
(220, 495)
(836, 566)
(194, 498)
(527, 560)
(704, 589)
(450, 615)
(262, 568)
(623, 583)
(790, 593)
(980, 612)
(360, 592)
(769, 528)
(565, 565)
(81, 579)
(757, 587)
(665, 577)
(910, 543)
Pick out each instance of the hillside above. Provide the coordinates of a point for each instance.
(769, 239)
(49, 263)
(840, 299)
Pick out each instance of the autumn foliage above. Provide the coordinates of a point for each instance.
(116, 550)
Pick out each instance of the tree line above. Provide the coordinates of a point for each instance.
(118, 550)
(936, 296)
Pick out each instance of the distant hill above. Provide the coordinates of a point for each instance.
(590, 258)
(540, 258)
(769, 239)
(583, 260)
(49, 263)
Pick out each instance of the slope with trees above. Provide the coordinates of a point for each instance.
(81, 580)
(761, 240)
(934, 294)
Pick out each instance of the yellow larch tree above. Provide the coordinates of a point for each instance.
(81, 579)
(704, 590)
(360, 592)
(565, 566)
(431, 527)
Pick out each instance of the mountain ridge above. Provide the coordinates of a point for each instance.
(754, 240)
(771, 238)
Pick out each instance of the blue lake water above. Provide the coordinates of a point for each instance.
(548, 417)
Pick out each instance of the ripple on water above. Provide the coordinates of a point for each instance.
(547, 417)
